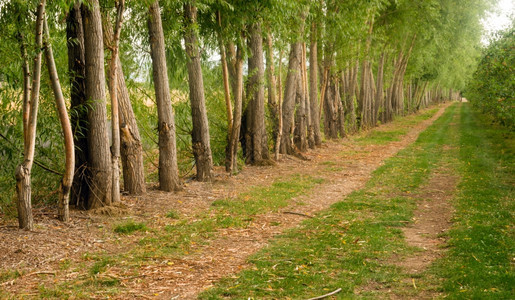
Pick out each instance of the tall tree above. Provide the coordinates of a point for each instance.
(290, 91)
(66, 182)
(113, 92)
(200, 133)
(99, 158)
(78, 106)
(313, 85)
(131, 150)
(257, 143)
(23, 176)
(168, 170)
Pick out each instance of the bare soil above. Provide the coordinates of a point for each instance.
(40, 255)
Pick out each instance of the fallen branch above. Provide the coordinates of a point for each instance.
(326, 295)
(296, 213)
(39, 273)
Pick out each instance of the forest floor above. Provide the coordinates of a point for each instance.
(177, 245)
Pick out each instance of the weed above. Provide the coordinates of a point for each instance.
(130, 227)
(172, 214)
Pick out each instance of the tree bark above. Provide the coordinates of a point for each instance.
(237, 89)
(279, 110)
(131, 150)
(78, 110)
(331, 109)
(22, 173)
(225, 75)
(272, 87)
(257, 145)
(113, 92)
(99, 160)
(66, 183)
(299, 135)
(200, 134)
(313, 86)
(290, 90)
(168, 170)
(307, 108)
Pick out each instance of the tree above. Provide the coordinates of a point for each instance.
(200, 133)
(99, 156)
(131, 149)
(257, 141)
(30, 114)
(168, 170)
(78, 105)
(66, 182)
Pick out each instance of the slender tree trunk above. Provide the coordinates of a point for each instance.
(113, 92)
(99, 160)
(257, 153)
(379, 96)
(313, 86)
(331, 109)
(26, 87)
(78, 109)
(272, 86)
(279, 110)
(225, 75)
(22, 174)
(288, 107)
(66, 182)
(299, 136)
(237, 89)
(200, 134)
(168, 170)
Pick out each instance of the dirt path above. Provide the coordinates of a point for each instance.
(52, 242)
(228, 253)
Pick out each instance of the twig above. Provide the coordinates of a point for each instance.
(296, 213)
(327, 295)
(40, 272)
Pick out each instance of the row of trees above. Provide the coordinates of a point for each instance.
(350, 66)
(492, 88)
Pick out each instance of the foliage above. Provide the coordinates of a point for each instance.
(492, 88)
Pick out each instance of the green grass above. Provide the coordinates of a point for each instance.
(172, 214)
(400, 127)
(480, 262)
(348, 246)
(129, 227)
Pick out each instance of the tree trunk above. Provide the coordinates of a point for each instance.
(272, 87)
(331, 109)
(200, 134)
(237, 89)
(225, 75)
(66, 182)
(113, 92)
(131, 150)
(257, 146)
(78, 110)
(299, 135)
(279, 109)
(313, 86)
(99, 160)
(288, 107)
(168, 170)
(22, 173)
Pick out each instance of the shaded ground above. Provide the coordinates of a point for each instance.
(345, 166)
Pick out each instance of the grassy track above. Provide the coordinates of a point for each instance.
(349, 246)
